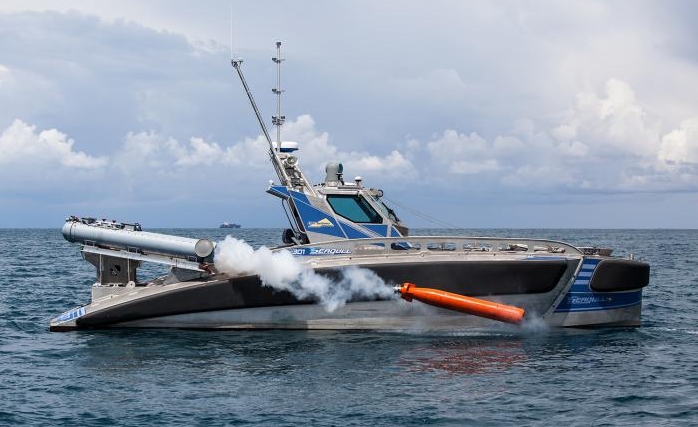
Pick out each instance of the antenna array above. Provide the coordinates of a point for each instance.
(278, 120)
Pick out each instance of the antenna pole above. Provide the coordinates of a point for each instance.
(278, 120)
(289, 174)
(237, 63)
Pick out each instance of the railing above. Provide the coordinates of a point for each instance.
(397, 245)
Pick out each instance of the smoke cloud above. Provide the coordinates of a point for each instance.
(281, 271)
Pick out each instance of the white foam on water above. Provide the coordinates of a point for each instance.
(281, 271)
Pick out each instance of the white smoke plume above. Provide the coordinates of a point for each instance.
(281, 271)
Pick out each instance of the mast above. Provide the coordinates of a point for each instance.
(285, 166)
(278, 120)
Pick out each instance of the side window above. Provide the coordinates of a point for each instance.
(354, 208)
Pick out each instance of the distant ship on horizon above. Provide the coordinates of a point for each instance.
(227, 224)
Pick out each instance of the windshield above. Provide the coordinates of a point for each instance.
(354, 208)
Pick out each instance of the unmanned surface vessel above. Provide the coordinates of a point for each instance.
(337, 225)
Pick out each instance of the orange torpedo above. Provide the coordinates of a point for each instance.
(457, 302)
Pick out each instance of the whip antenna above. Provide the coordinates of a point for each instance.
(231, 32)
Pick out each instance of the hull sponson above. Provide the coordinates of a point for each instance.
(473, 278)
(614, 275)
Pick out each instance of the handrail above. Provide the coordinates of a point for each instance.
(385, 245)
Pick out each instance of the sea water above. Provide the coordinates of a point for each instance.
(532, 376)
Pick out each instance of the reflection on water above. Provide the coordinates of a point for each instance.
(469, 357)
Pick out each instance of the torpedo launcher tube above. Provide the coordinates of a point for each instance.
(475, 306)
(130, 237)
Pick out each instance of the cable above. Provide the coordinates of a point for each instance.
(422, 215)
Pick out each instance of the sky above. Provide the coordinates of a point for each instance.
(498, 114)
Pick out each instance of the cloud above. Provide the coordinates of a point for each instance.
(461, 154)
(200, 152)
(603, 143)
(103, 79)
(22, 146)
(589, 97)
(564, 157)
(316, 150)
(44, 167)
(4, 73)
(436, 86)
(680, 146)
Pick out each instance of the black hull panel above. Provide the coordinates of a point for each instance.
(614, 275)
(479, 278)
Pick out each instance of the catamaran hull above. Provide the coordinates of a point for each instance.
(374, 315)
(555, 292)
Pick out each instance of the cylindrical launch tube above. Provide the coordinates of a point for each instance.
(76, 231)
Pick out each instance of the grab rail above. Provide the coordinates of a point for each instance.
(388, 245)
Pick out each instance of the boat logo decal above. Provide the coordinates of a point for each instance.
(320, 251)
(589, 299)
(319, 224)
(70, 315)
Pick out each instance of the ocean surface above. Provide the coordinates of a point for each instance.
(614, 376)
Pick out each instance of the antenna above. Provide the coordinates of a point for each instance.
(278, 120)
(231, 32)
(237, 64)
(285, 168)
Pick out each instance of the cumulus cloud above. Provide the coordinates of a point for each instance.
(316, 150)
(563, 157)
(103, 79)
(461, 154)
(532, 106)
(250, 153)
(605, 142)
(21, 145)
(680, 146)
(154, 151)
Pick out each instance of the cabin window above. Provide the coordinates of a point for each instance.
(354, 208)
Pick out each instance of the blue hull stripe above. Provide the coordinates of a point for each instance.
(594, 301)
(581, 297)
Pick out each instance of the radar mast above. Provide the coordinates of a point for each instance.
(285, 165)
(278, 120)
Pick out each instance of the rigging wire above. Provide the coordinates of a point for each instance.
(422, 215)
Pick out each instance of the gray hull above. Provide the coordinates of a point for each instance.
(377, 315)
(554, 290)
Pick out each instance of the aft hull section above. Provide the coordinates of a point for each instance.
(619, 316)
(604, 291)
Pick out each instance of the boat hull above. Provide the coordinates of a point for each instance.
(550, 290)
(373, 315)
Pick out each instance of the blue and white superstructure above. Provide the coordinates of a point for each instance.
(336, 225)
